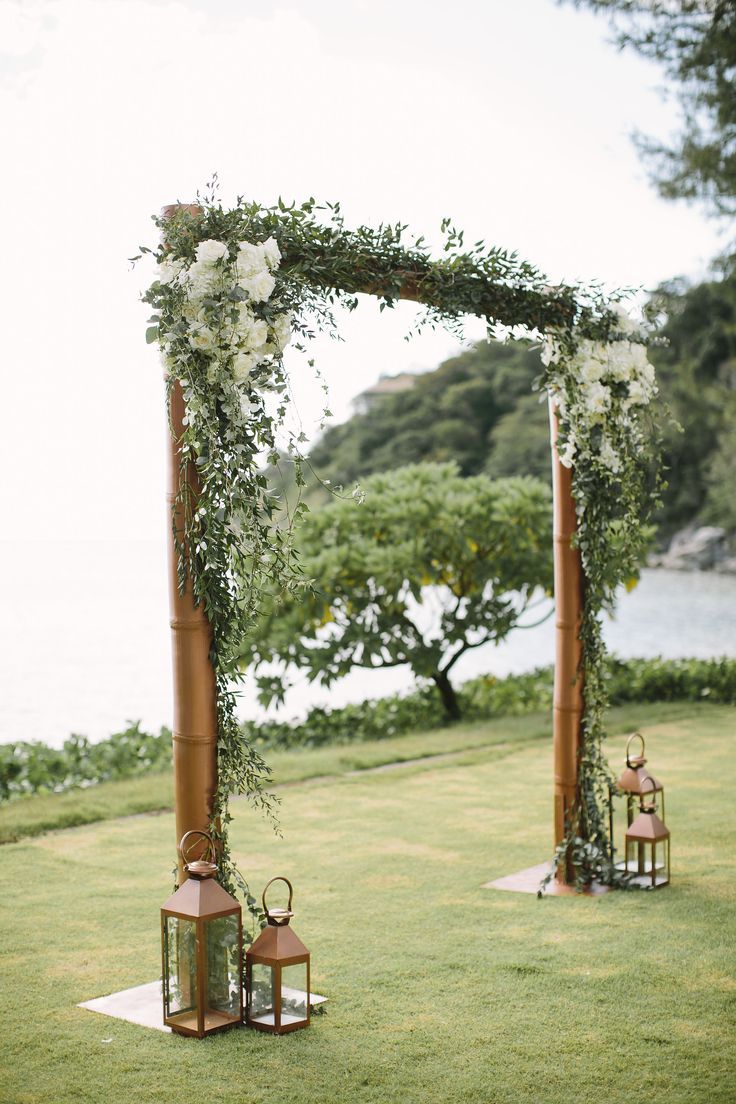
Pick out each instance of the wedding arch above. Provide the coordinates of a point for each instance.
(232, 289)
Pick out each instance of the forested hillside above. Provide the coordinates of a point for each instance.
(478, 409)
(451, 413)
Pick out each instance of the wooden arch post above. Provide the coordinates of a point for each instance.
(195, 692)
(567, 709)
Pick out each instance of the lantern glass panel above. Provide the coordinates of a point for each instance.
(181, 967)
(262, 999)
(294, 993)
(223, 965)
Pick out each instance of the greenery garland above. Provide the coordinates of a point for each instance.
(232, 287)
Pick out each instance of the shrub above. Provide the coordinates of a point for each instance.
(32, 767)
(672, 680)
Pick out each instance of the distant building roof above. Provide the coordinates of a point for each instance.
(390, 385)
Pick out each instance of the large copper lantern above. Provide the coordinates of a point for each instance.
(277, 974)
(202, 940)
(649, 837)
(629, 785)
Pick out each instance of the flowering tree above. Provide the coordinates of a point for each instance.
(430, 566)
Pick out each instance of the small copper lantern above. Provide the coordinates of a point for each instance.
(202, 941)
(630, 784)
(277, 973)
(648, 833)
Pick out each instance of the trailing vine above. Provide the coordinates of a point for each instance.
(232, 288)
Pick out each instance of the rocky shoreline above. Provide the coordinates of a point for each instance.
(697, 548)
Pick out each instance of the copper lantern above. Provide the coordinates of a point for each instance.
(649, 837)
(629, 785)
(202, 940)
(277, 973)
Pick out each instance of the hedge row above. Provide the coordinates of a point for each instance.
(33, 767)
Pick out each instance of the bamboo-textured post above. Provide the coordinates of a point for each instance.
(195, 695)
(568, 692)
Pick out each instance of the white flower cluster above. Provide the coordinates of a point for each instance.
(222, 297)
(599, 392)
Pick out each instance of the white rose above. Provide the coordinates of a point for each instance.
(257, 334)
(246, 318)
(243, 365)
(247, 407)
(201, 337)
(597, 398)
(282, 331)
(203, 279)
(250, 260)
(260, 286)
(168, 270)
(638, 354)
(209, 251)
(618, 361)
(625, 321)
(638, 394)
(647, 376)
(568, 453)
(193, 311)
(591, 371)
(558, 398)
(550, 351)
(271, 253)
(609, 456)
(168, 362)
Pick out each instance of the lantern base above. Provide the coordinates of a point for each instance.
(644, 881)
(632, 867)
(142, 1005)
(530, 881)
(185, 1023)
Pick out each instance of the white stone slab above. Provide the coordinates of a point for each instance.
(143, 1005)
(530, 881)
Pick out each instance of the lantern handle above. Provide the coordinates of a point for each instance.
(645, 779)
(278, 878)
(634, 736)
(203, 835)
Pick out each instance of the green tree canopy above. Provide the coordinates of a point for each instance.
(486, 392)
(695, 41)
(448, 414)
(428, 566)
(697, 376)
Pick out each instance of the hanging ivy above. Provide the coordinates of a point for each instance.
(233, 288)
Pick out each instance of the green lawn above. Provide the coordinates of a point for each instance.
(440, 991)
(29, 816)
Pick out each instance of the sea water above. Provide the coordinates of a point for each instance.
(85, 645)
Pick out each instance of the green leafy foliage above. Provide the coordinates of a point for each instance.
(32, 767)
(712, 680)
(695, 43)
(428, 567)
(27, 768)
(507, 432)
(452, 413)
(696, 367)
(720, 503)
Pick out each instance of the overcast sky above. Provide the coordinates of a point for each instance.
(512, 117)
